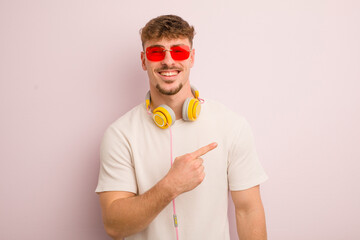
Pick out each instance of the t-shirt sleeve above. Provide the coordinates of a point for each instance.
(116, 166)
(244, 168)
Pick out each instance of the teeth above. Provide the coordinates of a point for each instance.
(168, 74)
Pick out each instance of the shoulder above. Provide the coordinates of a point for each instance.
(129, 121)
(133, 114)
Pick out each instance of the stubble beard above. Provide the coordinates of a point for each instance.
(170, 92)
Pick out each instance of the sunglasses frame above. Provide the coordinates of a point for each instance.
(169, 50)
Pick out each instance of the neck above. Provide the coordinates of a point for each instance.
(175, 102)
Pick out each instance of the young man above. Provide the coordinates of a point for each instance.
(143, 191)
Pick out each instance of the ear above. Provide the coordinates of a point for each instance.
(143, 61)
(192, 58)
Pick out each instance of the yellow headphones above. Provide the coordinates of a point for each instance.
(164, 116)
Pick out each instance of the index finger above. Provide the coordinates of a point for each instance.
(204, 150)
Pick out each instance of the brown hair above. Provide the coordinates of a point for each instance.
(167, 26)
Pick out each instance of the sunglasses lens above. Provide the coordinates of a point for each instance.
(180, 53)
(155, 53)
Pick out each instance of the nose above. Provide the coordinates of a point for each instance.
(168, 59)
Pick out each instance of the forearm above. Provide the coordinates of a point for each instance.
(251, 224)
(128, 216)
(125, 214)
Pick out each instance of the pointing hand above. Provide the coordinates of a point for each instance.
(187, 171)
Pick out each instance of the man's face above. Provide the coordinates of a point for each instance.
(168, 76)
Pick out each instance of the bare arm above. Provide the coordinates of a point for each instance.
(250, 215)
(125, 213)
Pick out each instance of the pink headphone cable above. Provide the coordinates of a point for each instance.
(173, 201)
(171, 159)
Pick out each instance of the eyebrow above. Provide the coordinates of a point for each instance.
(176, 45)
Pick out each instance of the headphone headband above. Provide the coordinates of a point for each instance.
(164, 116)
(194, 91)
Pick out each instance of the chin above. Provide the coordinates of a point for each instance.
(169, 92)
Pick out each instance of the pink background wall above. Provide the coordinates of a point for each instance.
(70, 68)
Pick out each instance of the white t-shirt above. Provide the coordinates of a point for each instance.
(135, 155)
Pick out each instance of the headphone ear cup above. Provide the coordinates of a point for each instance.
(163, 116)
(191, 109)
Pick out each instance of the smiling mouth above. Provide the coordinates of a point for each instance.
(169, 73)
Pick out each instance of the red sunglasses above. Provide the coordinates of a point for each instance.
(178, 53)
